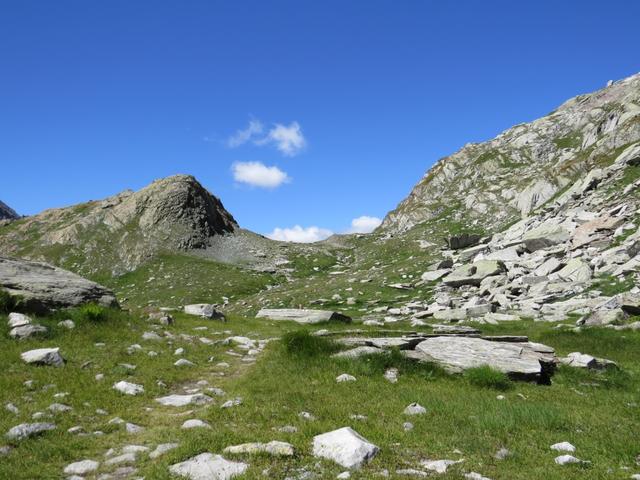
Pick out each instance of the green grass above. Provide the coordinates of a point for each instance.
(488, 377)
(596, 411)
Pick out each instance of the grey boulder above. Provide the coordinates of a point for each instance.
(208, 466)
(44, 287)
(43, 356)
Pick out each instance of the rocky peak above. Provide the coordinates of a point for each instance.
(6, 212)
(497, 182)
(119, 233)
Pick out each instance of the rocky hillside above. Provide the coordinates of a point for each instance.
(119, 233)
(499, 181)
(6, 212)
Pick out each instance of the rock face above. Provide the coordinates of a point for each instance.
(6, 212)
(117, 234)
(44, 287)
(345, 447)
(208, 466)
(302, 315)
(547, 154)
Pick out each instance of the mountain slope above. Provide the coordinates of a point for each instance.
(496, 182)
(6, 212)
(119, 233)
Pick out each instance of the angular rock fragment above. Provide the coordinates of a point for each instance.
(43, 356)
(345, 447)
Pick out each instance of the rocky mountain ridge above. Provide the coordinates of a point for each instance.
(121, 232)
(497, 182)
(6, 212)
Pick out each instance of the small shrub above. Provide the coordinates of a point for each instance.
(302, 343)
(488, 377)
(93, 313)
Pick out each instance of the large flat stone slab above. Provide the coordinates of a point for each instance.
(302, 315)
(519, 360)
(44, 287)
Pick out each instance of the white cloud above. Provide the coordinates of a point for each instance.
(258, 174)
(300, 235)
(364, 224)
(288, 139)
(254, 129)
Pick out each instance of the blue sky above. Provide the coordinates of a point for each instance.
(349, 102)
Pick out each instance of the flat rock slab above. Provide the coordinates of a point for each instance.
(204, 310)
(26, 430)
(82, 467)
(454, 329)
(402, 343)
(474, 273)
(183, 400)
(43, 356)
(582, 360)
(521, 360)
(208, 466)
(273, 448)
(44, 287)
(305, 316)
(345, 447)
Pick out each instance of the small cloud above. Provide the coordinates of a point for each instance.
(364, 224)
(288, 139)
(299, 234)
(254, 129)
(258, 174)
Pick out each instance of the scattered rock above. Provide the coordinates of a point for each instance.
(563, 447)
(128, 388)
(43, 356)
(274, 448)
(82, 467)
(345, 447)
(582, 360)
(183, 400)
(415, 409)
(26, 430)
(204, 310)
(208, 466)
